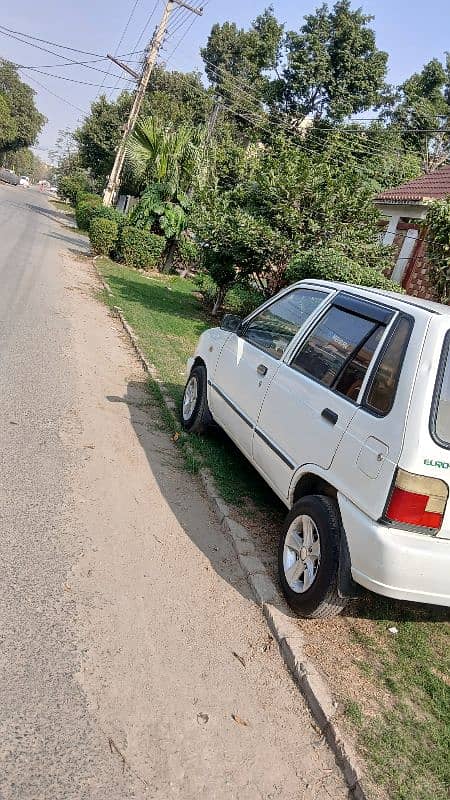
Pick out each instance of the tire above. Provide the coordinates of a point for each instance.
(195, 415)
(308, 570)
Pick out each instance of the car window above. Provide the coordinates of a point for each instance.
(273, 328)
(383, 386)
(351, 378)
(332, 344)
(442, 415)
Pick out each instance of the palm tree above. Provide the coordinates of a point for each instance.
(171, 164)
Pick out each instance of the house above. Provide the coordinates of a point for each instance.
(403, 207)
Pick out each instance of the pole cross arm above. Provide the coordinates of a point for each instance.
(198, 11)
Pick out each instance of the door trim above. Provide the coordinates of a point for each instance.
(231, 404)
(275, 449)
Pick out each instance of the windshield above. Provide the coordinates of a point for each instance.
(441, 415)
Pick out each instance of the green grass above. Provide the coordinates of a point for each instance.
(61, 206)
(407, 744)
(168, 319)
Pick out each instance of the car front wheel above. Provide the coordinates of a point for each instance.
(195, 414)
(308, 558)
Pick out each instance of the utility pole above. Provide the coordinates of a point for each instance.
(114, 178)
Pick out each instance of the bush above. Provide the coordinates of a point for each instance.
(106, 212)
(241, 300)
(206, 287)
(332, 265)
(71, 187)
(140, 248)
(189, 252)
(85, 210)
(103, 235)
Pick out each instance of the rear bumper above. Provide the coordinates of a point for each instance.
(394, 562)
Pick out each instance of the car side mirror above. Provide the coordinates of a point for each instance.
(231, 322)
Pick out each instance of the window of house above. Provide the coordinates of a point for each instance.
(382, 389)
(274, 328)
(339, 350)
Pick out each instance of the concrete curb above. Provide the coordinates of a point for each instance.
(289, 638)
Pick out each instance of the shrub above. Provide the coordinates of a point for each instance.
(189, 252)
(140, 248)
(106, 212)
(241, 300)
(103, 235)
(332, 265)
(85, 210)
(438, 246)
(71, 187)
(206, 287)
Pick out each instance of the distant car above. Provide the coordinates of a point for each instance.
(7, 176)
(53, 190)
(24, 181)
(340, 397)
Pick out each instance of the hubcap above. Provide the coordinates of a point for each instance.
(301, 554)
(190, 398)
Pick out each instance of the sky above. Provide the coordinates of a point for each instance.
(411, 31)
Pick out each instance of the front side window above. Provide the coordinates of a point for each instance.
(383, 386)
(339, 350)
(274, 328)
(441, 417)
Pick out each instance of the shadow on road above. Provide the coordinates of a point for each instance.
(167, 469)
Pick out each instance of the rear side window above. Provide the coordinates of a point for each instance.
(335, 354)
(273, 328)
(440, 421)
(382, 388)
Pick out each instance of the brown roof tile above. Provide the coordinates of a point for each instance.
(432, 186)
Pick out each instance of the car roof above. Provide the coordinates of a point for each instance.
(401, 301)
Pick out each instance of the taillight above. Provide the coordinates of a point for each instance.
(417, 500)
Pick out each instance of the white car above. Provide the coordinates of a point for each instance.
(24, 181)
(340, 397)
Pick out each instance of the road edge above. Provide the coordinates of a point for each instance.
(311, 683)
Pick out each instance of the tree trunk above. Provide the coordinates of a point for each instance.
(170, 255)
(218, 301)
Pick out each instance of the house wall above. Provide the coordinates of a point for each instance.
(416, 280)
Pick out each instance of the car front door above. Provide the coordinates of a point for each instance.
(313, 399)
(249, 360)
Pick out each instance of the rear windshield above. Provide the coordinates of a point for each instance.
(440, 423)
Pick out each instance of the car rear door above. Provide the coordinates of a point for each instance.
(250, 359)
(314, 396)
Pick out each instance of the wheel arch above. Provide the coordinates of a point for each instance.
(311, 483)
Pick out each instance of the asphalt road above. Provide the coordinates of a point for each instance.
(121, 603)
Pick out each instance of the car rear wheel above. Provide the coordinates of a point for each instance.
(195, 414)
(308, 558)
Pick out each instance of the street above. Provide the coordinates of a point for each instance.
(122, 605)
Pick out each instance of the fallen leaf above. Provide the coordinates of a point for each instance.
(175, 437)
(239, 658)
(13, 422)
(239, 720)
(393, 630)
(202, 718)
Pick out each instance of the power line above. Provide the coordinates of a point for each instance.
(63, 99)
(54, 44)
(130, 17)
(71, 80)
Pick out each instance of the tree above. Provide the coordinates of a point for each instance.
(8, 127)
(420, 108)
(26, 120)
(99, 136)
(235, 58)
(170, 162)
(334, 68)
(437, 225)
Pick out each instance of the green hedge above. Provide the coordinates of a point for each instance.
(240, 299)
(103, 235)
(84, 211)
(139, 248)
(332, 265)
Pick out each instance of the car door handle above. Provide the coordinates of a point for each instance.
(330, 415)
(261, 369)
